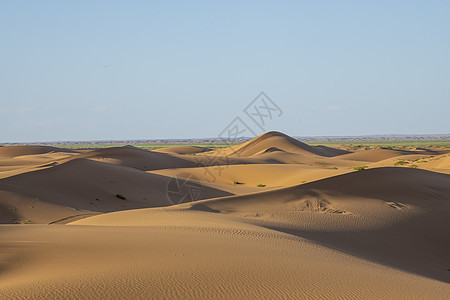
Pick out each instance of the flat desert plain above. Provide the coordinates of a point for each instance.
(272, 218)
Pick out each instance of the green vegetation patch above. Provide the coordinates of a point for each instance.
(359, 168)
(400, 163)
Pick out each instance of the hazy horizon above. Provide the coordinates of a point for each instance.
(306, 137)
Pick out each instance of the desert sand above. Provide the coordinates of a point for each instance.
(272, 218)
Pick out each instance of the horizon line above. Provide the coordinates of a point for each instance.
(206, 139)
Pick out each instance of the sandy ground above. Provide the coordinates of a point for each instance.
(182, 223)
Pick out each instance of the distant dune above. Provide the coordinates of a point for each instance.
(272, 218)
(181, 150)
(14, 151)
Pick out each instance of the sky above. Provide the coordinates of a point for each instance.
(114, 70)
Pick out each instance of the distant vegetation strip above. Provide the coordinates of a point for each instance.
(336, 143)
(381, 143)
(387, 144)
(143, 146)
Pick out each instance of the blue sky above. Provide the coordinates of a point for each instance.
(101, 70)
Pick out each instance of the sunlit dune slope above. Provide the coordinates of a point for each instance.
(278, 141)
(13, 151)
(251, 175)
(181, 149)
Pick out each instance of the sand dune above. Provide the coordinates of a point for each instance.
(14, 151)
(275, 141)
(270, 175)
(404, 226)
(311, 160)
(439, 162)
(350, 212)
(136, 158)
(153, 262)
(166, 225)
(144, 160)
(181, 150)
(373, 155)
(21, 159)
(87, 186)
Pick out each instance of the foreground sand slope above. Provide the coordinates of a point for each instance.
(190, 255)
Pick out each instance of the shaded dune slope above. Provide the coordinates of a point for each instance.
(396, 216)
(136, 158)
(145, 160)
(89, 186)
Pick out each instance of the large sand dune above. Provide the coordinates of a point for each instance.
(276, 141)
(198, 226)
